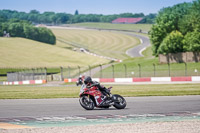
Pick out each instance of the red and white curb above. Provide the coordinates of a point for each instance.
(27, 82)
(147, 79)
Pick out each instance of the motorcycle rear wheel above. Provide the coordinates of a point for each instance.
(86, 102)
(119, 102)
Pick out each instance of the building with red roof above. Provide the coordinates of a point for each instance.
(127, 20)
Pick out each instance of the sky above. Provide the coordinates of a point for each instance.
(90, 6)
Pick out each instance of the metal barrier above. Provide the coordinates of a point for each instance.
(32, 74)
(112, 71)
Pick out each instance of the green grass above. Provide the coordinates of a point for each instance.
(24, 53)
(104, 43)
(147, 68)
(37, 92)
(130, 27)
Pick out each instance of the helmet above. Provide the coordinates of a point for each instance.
(87, 80)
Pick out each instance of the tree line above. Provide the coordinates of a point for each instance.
(64, 18)
(25, 29)
(177, 29)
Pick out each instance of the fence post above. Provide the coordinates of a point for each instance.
(139, 70)
(185, 69)
(37, 73)
(68, 71)
(45, 72)
(169, 69)
(113, 71)
(41, 73)
(61, 72)
(24, 74)
(89, 70)
(33, 74)
(100, 71)
(79, 70)
(154, 69)
(18, 79)
(19, 76)
(125, 70)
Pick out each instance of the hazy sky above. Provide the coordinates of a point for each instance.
(90, 6)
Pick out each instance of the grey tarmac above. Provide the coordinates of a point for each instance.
(12, 108)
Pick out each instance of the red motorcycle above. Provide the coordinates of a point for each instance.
(92, 97)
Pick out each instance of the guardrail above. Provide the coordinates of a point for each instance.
(144, 79)
(26, 82)
(114, 71)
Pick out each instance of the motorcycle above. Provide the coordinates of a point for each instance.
(91, 97)
(80, 80)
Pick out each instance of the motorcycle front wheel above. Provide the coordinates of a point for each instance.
(119, 102)
(86, 102)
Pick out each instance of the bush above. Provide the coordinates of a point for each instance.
(20, 28)
(173, 43)
(46, 36)
(192, 41)
(16, 30)
(39, 34)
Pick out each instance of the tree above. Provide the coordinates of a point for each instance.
(22, 16)
(46, 36)
(3, 27)
(192, 41)
(16, 30)
(34, 12)
(31, 32)
(150, 18)
(167, 21)
(190, 21)
(76, 12)
(173, 43)
(61, 18)
(2, 18)
(56, 18)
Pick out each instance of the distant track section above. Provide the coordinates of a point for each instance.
(137, 50)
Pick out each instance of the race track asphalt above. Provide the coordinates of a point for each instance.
(15, 108)
(137, 50)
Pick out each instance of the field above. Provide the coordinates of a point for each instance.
(24, 53)
(104, 43)
(129, 27)
(19, 52)
(36, 92)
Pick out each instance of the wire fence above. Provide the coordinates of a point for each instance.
(30, 74)
(112, 71)
(139, 70)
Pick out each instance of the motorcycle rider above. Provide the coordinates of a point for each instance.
(80, 80)
(89, 83)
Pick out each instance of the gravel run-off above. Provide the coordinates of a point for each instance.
(186, 126)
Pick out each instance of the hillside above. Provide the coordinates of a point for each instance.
(19, 52)
(130, 27)
(110, 44)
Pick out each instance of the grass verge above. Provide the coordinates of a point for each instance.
(38, 92)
